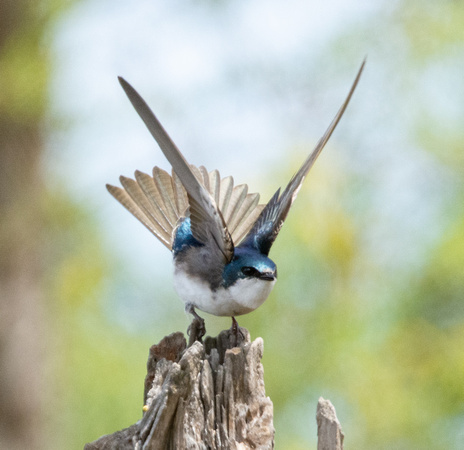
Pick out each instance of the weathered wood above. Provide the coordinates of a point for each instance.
(329, 431)
(206, 396)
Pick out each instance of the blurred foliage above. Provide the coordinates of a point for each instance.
(440, 287)
(385, 347)
(431, 28)
(25, 59)
(24, 71)
(98, 369)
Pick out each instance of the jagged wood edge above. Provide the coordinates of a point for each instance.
(212, 394)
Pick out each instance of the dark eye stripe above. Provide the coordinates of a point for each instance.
(250, 272)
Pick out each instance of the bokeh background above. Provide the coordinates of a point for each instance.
(369, 307)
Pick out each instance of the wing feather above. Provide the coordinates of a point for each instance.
(124, 198)
(140, 199)
(205, 178)
(153, 196)
(163, 182)
(266, 228)
(215, 186)
(180, 195)
(249, 203)
(236, 199)
(227, 185)
(245, 225)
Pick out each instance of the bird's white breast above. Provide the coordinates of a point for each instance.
(244, 296)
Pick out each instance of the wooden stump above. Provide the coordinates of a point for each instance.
(206, 396)
(210, 396)
(329, 431)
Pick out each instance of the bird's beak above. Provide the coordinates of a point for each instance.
(267, 276)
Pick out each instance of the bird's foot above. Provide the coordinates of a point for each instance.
(236, 334)
(196, 329)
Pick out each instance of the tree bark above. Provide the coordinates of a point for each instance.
(206, 396)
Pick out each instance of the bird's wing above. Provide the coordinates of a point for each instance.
(207, 224)
(136, 205)
(238, 207)
(266, 228)
(159, 201)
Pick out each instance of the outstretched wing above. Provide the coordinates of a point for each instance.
(160, 201)
(267, 226)
(207, 224)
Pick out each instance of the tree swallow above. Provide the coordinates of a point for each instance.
(218, 233)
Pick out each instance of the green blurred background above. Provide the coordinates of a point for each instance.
(369, 307)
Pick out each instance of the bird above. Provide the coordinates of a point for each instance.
(219, 234)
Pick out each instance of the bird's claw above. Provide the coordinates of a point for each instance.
(236, 334)
(196, 330)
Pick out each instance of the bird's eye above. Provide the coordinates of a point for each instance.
(250, 271)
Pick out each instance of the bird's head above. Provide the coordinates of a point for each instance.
(247, 263)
